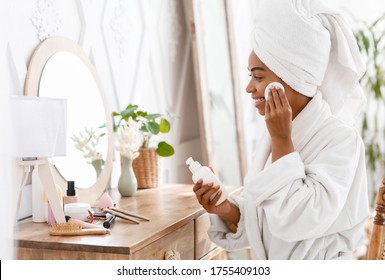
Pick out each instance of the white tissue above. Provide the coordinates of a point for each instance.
(273, 84)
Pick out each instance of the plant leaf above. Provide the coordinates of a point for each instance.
(365, 124)
(164, 149)
(152, 127)
(165, 125)
(129, 112)
(141, 113)
(153, 116)
(130, 106)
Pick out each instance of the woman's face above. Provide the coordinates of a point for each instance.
(260, 77)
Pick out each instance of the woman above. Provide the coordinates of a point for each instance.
(305, 195)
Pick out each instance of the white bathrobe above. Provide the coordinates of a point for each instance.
(309, 204)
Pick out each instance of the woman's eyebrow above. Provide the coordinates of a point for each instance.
(256, 68)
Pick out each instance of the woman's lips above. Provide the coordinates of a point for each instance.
(258, 102)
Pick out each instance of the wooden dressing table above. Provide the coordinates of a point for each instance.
(177, 222)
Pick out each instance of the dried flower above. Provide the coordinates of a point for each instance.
(129, 138)
(87, 141)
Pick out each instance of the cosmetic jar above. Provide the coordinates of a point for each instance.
(77, 210)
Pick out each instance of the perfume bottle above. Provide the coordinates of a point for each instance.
(71, 196)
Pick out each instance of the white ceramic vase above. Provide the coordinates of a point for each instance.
(127, 184)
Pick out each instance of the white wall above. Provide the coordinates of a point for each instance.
(6, 185)
(364, 10)
(6, 169)
(140, 49)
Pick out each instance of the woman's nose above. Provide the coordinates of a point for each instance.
(250, 88)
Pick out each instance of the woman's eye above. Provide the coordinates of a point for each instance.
(257, 78)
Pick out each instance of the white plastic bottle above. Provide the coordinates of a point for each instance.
(203, 172)
(38, 212)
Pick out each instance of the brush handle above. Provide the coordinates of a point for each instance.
(128, 213)
(87, 231)
(120, 215)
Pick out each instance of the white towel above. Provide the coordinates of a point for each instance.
(311, 47)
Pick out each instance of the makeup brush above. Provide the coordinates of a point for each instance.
(128, 213)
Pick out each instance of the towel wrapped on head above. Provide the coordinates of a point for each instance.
(311, 47)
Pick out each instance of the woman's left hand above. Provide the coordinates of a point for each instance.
(278, 115)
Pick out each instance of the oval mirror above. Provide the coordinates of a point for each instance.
(60, 68)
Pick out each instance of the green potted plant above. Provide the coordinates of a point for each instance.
(152, 124)
(371, 41)
(147, 166)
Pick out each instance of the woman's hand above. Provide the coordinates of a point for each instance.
(203, 194)
(227, 211)
(278, 114)
(278, 117)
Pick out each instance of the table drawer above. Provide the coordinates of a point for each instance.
(180, 240)
(202, 240)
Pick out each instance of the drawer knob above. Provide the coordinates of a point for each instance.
(172, 255)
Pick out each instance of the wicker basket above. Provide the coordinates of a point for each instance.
(147, 168)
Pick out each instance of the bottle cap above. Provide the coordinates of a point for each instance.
(193, 165)
(71, 188)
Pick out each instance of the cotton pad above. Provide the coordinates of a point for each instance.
(273, 84)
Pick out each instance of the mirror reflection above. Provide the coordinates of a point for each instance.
(211, 28)
(66, 76)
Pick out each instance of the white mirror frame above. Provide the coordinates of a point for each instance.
(39, 58)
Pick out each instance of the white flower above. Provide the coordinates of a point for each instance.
(129, 138)
(86, 142)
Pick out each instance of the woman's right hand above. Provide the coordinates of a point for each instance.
(203, 194)
(227, 211)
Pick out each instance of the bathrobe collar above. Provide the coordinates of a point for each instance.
(309, 120)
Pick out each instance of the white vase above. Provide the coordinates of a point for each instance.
(98, 165)
(127, 184)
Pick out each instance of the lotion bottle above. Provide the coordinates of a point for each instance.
(71, 194)
(203, 172)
